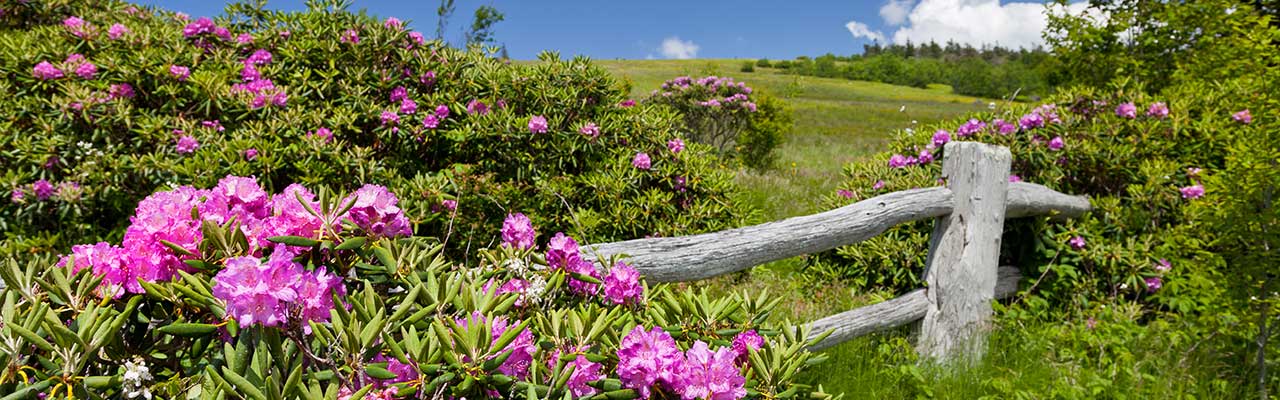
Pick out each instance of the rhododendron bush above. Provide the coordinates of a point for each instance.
(729, 115)
(106, 102)
(236, 292)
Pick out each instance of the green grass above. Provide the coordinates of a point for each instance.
(836, 122)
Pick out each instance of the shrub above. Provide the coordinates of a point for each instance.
(763, 63)
(748, 66)
(232, 290)
(727, 115)
(333, 99)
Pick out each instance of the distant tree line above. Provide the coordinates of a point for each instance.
(988, 71)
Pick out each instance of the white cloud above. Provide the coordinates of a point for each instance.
(861, 30)
(895, 12)
(673, 47)
(973, 22)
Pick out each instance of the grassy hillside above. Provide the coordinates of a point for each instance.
(837, 121)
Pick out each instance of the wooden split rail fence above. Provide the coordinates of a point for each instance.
(961, 274)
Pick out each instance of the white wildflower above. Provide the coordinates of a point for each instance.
(136, 375)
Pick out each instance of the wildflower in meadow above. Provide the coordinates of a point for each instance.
(1127, 110)
(1192, 192)
(641, 161)
(537, 124)
(518, 232)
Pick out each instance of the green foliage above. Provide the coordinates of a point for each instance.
(748, 66)
(763, 63)
(994, 72)
(117, 150)
(735, 119)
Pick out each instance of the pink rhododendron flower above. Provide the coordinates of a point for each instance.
(537, 124)
(430, 121)
(877, 186)
(898, 161)
(1031, 121)
(87, 70)
(1056, 143)
(518, 232)
(584, 371)
(1015, 178)
(162, 216)
(449, 204)
(442, 111)
(187, 144)
(180, 72)
(627, 103)
(1077, 242)
(117, 31)
(109, 262)
(214, 124)
(399, 94)
(1192, 192)
(970, 128)
(417, 38)
(1163, 265)
(641, 161)
(250, 154)
(1243, 116)
(845, 193)
(43, 189)
(675, 145)
(46, 71)
(646, 358)
(408, 106)
(622, 285)
(17, 195)
(941, 137)
(925, 157)
(376, 213)
(477, 107)
(563, 254)
(350, 36)
(522, 348)
(1004, 128)
(244, 38)
(1127, 110)
(404, 372)
(748, 339)
(590, 129)
(711, 375)
(322, 133)
(120, 91)
(393, 23)
(389, 118)
(1158, 110)
(1153, 284)
(259, 57)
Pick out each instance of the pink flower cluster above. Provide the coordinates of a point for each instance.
(563, 254)
(650, 358)
(522, 348)
(204, 26)
(78, 27)
(537, 124)
(734, 95)
(74, 63)
(622, 285)
(517, 232)
(641, 161)
(172, 219)
(277, 292)
(591, 130)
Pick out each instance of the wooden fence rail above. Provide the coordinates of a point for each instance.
(961, 271)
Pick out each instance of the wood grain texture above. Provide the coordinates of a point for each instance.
(964, 252)
(688, 258)
(891, 314)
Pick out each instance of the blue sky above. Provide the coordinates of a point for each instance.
(708, 29)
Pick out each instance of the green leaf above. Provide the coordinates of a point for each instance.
(30, 336)
(188, 329)
(294, 241)
(379, 372)
(352, 243)
(243, 384)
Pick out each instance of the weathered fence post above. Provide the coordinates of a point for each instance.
(964, 251)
